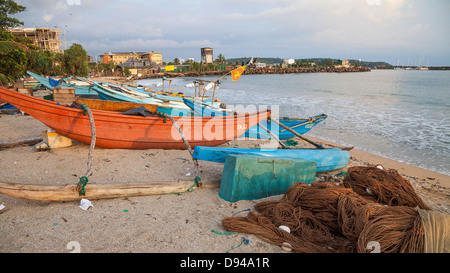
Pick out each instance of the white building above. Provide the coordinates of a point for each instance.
(289, 61)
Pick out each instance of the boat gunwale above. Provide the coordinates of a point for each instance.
(106, 113)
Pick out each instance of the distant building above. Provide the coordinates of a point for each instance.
(138, 58)
(342, 63)
(137, 62)
(207, 55)
(260, 65)
(288, 61)
(43, 37)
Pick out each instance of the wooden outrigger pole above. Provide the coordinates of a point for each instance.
(97, 191)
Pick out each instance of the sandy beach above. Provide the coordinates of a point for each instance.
(175, 223)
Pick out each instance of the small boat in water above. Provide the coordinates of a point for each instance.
(326, 159)
(114, 130)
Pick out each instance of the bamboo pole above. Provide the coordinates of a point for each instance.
(15, 143)
(273, 135)
(298, 135)
(92, 191)
(214, 94)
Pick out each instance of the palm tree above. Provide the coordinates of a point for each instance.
(221, 59)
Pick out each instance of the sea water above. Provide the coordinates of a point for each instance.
(399, 114)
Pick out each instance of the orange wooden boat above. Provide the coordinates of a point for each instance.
(114, 130)
(116, 106)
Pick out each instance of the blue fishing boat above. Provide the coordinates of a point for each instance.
(205, 109)
(171, 105)
(326, 159)
(80, 87)
(299, 125)
(142, 91)
(173, 108)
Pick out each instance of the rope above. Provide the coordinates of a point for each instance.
(241, 211)
(190, 189)
(84, 179)
(325, 217)
(224, 232)
(183, 137)
(291, 142)
(81, 185)
(243, 241)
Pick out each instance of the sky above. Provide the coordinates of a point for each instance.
(395, 31)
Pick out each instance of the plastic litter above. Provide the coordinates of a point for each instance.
(285, 228)
(85, 204)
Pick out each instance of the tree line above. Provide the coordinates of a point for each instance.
(19, 54)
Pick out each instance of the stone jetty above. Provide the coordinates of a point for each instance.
(264, 70)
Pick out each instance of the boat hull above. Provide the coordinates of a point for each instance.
(326, 159)
(299, 125)
(114, 130)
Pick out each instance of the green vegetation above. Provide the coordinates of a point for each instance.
(13, 60)
(7, 8)
(12, 55)
(19, 54)
(75, 60)
(244, 60)
(193, 66)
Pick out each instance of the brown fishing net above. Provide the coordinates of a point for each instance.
(387, 187)
(331, 217)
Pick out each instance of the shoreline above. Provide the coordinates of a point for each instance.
(190, 222)
(413, 171)
(247, 71)
(419, 171)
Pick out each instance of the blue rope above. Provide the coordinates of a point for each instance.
(241, 211)
(244, 241)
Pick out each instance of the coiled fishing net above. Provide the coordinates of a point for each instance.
(328, 217)
(383, 186)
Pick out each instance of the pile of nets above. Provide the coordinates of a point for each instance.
(374, 210)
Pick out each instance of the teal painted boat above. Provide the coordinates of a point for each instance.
(80, 87)
(299, 125)
(249, 177)
(173, 108)
(326, 159)
(166, 104)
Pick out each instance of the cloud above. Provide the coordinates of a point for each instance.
(284, 28)
(48, 18)
(145, 45)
